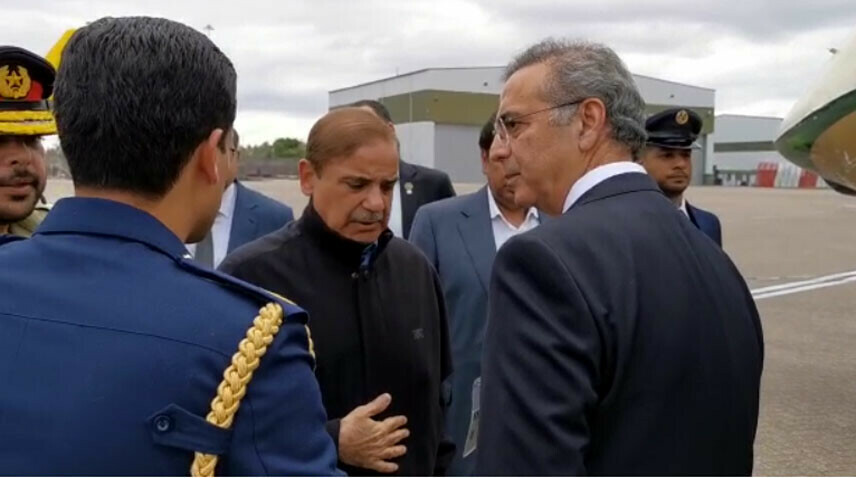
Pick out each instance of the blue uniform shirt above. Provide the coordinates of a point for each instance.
(112, 345)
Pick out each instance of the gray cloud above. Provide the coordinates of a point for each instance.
(757, 54)
(759, 20)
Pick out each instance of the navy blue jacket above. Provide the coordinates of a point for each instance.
(113, 343)
(620, 341)
(707, 222)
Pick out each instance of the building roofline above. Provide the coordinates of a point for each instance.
(673, 82)
(413, 73)
(735, 115)
(424, 70)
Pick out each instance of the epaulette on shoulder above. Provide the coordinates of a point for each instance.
(258, 294)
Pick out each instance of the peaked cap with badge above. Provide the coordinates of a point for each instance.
(675, 128)
(26, 83)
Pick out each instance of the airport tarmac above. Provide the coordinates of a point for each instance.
(797, 250)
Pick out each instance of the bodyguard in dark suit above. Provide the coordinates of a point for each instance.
(460, 237)
(113, 341)
(620, 340)
(417, 185)
(668, 159)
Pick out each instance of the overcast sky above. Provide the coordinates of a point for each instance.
(758, 55)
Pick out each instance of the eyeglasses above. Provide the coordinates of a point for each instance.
(505, 124)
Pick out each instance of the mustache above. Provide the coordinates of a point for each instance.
(367, 216)
(18, 178)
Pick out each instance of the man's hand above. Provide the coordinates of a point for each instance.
(367, 443)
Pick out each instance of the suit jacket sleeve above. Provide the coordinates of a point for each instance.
(717, 230)
(422, 235)
(540, 367)
(446, 447)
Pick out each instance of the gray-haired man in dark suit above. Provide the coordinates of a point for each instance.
(620, 339)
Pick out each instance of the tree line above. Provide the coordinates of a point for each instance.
(285, 149)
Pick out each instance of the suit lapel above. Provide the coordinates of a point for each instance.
(244, 222)
(409, 195)
(476, 230)
(691, 212)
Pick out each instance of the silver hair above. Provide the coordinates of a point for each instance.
(581, 69)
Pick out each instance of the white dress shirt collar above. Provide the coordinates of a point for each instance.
(495, 212)
(597, 176)
(227, 204)
(683, 206)
(503, 230)
(221, 230)
(396, 219)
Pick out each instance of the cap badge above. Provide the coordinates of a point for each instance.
(14, 84)
(682, 117)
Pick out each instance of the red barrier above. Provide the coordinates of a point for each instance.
(767, 174)
(808, 180)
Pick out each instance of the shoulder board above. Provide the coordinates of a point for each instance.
(262, 296)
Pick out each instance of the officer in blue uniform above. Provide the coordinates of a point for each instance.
(668, 159)
(113, 343)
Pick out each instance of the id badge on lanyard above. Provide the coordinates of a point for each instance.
(473, 432)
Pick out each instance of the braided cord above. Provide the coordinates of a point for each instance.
(236, 377)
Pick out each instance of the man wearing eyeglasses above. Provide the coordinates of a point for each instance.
(244, 216)
(620, 340)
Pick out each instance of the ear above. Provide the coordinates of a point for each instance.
(643, 155)
(485, 155)
(307, 174)
(207, 156)
(592, 114)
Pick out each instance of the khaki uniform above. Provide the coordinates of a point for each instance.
(27, 226)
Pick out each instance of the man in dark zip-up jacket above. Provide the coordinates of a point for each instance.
(376, 307)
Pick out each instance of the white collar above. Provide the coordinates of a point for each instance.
(683, 206)
(597, 176)
(495, 212)
(227, 203)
